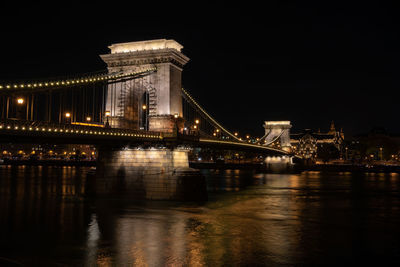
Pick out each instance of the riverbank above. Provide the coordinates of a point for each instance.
(58, 162)
(354, 168)
(224, 166)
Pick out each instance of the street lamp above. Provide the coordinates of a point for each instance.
(88, 119)
(20, 102)
(197, 121)
(176, 116)
(108, 114)
(68, 116)
(144, 116)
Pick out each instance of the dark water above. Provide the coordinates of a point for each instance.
(249, 220)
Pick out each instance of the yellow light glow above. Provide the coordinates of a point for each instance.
(145, 45)
(20, 101)
(277, 123)
(67, 115)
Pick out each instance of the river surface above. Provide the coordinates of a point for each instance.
(250, 219)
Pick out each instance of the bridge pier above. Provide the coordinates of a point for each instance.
(279, 164)
(156, 174)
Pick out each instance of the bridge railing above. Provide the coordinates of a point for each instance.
(29, 127)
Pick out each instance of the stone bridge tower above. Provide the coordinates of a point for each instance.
(158, 94)
(275, 130)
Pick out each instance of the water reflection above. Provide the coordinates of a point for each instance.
(250, 220)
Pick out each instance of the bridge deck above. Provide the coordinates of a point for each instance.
(30, 131)
(16, 130)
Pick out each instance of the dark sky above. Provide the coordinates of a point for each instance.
(309, 63)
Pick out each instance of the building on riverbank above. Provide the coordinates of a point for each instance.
(376, 145)
(313, 145)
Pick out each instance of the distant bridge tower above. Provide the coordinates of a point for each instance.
(275, 130)
(151, 102)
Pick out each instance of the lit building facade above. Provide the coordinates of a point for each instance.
(312, 145)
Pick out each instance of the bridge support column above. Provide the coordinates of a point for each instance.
(165, 123)
(279, 164)
(157, 174)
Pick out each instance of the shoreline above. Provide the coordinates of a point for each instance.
(27, 162)
(224, 166)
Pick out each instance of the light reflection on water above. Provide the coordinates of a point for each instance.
(251, 219)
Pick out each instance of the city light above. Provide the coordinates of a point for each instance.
(88, 118)
(89, 79)
(20, 101)
(144, 107)
(67, 115)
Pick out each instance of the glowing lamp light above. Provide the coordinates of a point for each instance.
(144, 107)
(197, 121)
(88, 118)
(68, 115)
(20, 101)
(176, 116)
(108, 113)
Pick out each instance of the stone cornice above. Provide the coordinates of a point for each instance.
(146, 57)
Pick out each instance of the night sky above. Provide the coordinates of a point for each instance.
(308, 63)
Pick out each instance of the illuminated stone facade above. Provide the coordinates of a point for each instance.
(162, 88)
(310, 144)
(278, 131)
(158, 174)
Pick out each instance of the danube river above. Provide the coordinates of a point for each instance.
(250, 219)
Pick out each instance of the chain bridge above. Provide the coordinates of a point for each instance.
(136, 112)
